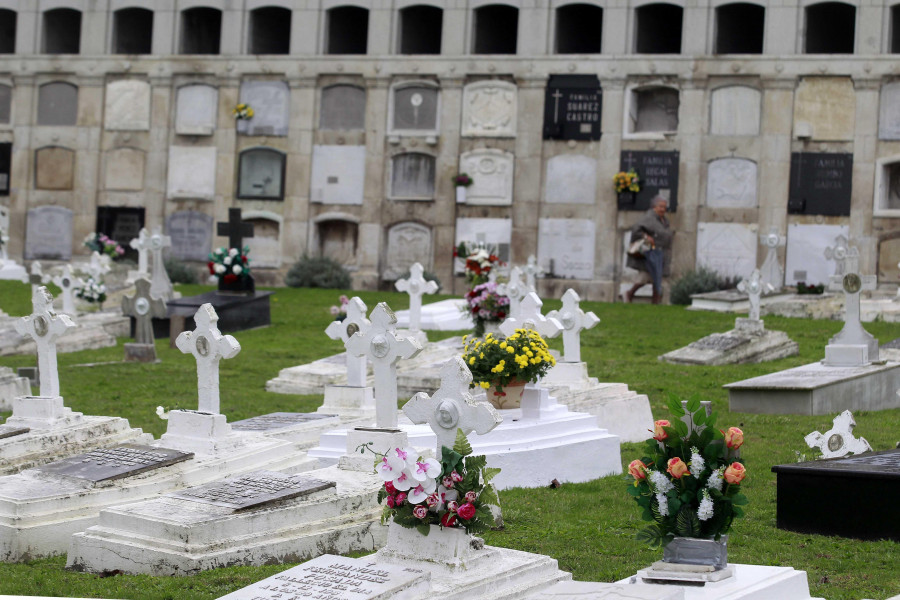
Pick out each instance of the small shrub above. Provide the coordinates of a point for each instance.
(429, 276)
(701, 281)
(318, 272)
(803, 288)
(179, 271)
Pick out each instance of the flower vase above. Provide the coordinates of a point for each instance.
(460, 194)
(510, 397)
(240, 285)
(697, 551)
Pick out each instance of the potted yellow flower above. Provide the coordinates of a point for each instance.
(504, 366)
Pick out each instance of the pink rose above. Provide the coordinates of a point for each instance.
(735, 473)
(389, 488)
(471, 496)
(452, 506)
(448, 482)
(456, 477)
(660, 433)
(466, 511)
(734, 438)
(400, 498)
(432, 500)
(390, 502)
(677, 468)
(448, 520)
(420, 512)
(637, 469)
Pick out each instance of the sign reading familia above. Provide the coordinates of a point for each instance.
(658, 173)
(821, 183)
(572, 107)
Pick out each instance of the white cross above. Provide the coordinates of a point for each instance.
(208, 346)
(574, 321)
(68, 283)
(838, 253)
(384, 348)
(452, 407)
(144, 307)
(839, 440)
(99, 266)
(754, 287)
(852, 283)
(532, 271)
(36, 277)
(44, 326)
(160, 285)
(343, 330)
(415, 286)
(514, 289)
(556, 96)
(530, 317)
(771, 269)
(142, 244)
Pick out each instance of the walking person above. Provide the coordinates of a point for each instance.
(655, 261)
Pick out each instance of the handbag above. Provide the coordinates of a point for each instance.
(639, 247)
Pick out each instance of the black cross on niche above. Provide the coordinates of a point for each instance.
(235, 229)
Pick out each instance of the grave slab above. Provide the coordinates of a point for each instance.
(738, 346)
(589, 590)
(11, 386)
(735, 301)
(109, 464)
(750, 582)
(444, 315)
(302, 429)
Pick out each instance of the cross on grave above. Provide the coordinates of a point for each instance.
(852, 283)
(837, 253)
(556, 96)
(530, 317)
(98, 267)
(452, 407)
(754, 287)
(384, 348)
(415, 286)
(142, 244)
(574, 321)
(144, 307)
(629, 161)
(44, 326)
(514, 289)
(68, 283)
(235, 229)
(36, 276)
(343, 330)
(160, 284)
(771, 271)
(839, 440)
(532, 271)
(208, 346)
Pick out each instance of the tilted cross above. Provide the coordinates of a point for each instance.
(384, 348)
(852, 283)
(144, 307)
(235, 229)
(415, 286)
(44, 326)
(514, 289)
(839, 440)
(99, 266)
(36, 276)
(574, 321)
(160, 284)
(838, 253)
(754, 287)
(343, 330)
(771, 270)
(452, 407)
(530, 317)
(532, 271)
(208, 346)
(68, 283)
(142, 244)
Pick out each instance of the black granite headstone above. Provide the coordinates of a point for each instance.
(5, 167)
(253, 489)
(118, 462)
(278, 420)
(237, 312)
(572, 107)
(658, 173)
(8, 431)
(821, 184)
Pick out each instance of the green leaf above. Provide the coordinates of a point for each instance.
(711, 419)
(489, 473)
(687, 523)
(674, 403)
(489, 496)
(693, 404)
(651, 535)
(462, 445)
(632, 490)
(738, 511)
(739, 499)
(681, 427)
(423, 528)
(699, 418)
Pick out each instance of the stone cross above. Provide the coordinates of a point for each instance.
(771, 270)
(416, 286)
(160, 284)
(36, 276)
(530, 317)
(532, 271)
(852, 283)
(754, 287)
(44, 326)
(68, 283)
(144, 307)
(235, 229)
(452, 407)
(384, 348)
(343, 330)
(514, 289)
(839, 440)
(208, 346)
(99, 266)
(574, 321)
(142, 244)
(837, 253)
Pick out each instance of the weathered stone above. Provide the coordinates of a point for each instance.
(115, 463)
(256, 489)
(838, 441)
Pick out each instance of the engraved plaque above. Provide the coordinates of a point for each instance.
(117, 462)
(278, 420)
(7, 431)
(253, 489)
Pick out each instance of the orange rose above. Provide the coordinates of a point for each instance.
(735, 473)
(637, 469)
(734, 438)
(659, 431)
(677, 468)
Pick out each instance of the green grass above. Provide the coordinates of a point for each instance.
(589, 528)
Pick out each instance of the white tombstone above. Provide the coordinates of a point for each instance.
(839, 440)
(354, 322)
(515, 289)
(574, 321)
(416, 286)
(530, 317)
(127, 105)
(142, 244)
(754, 287)
(160, 284)
(191, 173)
(492, 172)
(532, 271)
(771, 270)
(208, 346)
(99, 266)
(384, 348)
(837, 253)
(143, 307)
(489, 109)
(45, 327)
(853, 346)
(69, 284)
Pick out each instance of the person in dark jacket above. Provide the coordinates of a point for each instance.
(656, 263)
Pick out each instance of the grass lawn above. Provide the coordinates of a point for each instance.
(589, 528)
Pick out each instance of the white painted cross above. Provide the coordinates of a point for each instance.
(415, 286)
(208, 346)
(142, 244)
(839, 440)
(574, 321)
(852, 283)
(837, 253)
(530, 317)
(532, 271)
(754, 287)
(36, 277)
(384, 348)
(160, 285)
(514, 289)
(771, 270)
(44, 326)
(144, 307)
(69, 284)
(343, 330)
(99, 266)
(452, 407)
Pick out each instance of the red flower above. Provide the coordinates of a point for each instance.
(212, 270)
(448, 520)
(230, 278)
(466, 511)
(389, 488)
(244, 259)
(501, 314)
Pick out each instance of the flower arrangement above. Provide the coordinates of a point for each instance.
(462, 180)
(689, 484)
(627, 181)
(803, 288)
(523, 357)
(229, 265)
(242, 112)
(93, 291)
(456, 492)
(99, 242)
(486, 305)
(340, 312)
(479, 261)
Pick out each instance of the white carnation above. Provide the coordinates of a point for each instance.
(715, 480)
(233, 252)
(697, 462)
(236, 269)
(705, 510)
(227, 261)
(219, 269)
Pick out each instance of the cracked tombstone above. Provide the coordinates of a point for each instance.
(208, 346)
(69, 284)
(839, 440)
(514, 289)
(45, 327)
(416, 286)
(853, 346)
(574, 321)
(143, 307)
(530, 317)
(771, 270)
(354, 322)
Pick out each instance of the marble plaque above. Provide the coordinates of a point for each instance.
(821, 183)
(8, 431)
(414, 108)
(338, 174)
(196, 108)
(261, 174)
(191, 234)
(54, 168)
(127, 105)
(805, 259)
(491, 171)
(338, 577)
(571, 179)
(489, 109)
(125, 169)
(192, 172)
(271, 104)
(825, 108)
(889, 112)
(58, 104)
(277, 420)
(118, 462)
(659, 173)
(253, 489)
(727, 248)
(407, 243)
(494, 232)
(265, 245)
(573, 107)
(731, 183)
(734, 110)
(48, 233)
(343, 107)
(412, 176)
(566, 248)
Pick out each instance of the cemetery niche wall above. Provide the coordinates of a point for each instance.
(821, 184)
(659, 176)
(573, 107)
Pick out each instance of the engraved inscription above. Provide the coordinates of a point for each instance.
(117, 462)
(278, 420)
(253, 489)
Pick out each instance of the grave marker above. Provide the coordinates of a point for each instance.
(45, 327)
(253, 489)
(48, 233)
(839, 440)
(208, 346)
(143, 307)
(514, 289)
(574, 321)
(530, 317)
(275, 421)
(532, 271)
(820, 184)
(659, 176)
(754, 287)
(99, 266)
(160, 284)
(69, 284)
(36, 276)
(837, 253)
(191, 234)
(118, 462)
(354, 322)
(235, 228)
(771, 271)
(852, 346)
(416, 286)
(142, 244)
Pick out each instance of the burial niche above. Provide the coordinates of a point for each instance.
(201, 30)
(653, 109)
(658, 29)
(57, 103)
(343, 107)
(414, 108)
(271, 102)
(895, 29)
(54, 168)
(888, 257)
(125, 169)
(739, 28)
(420, 29)
(261, 174)
(7, 31)
(407, 243)
(61, 32)
(412, 176)
(132, 31)
(578, 29)
(121, 224)
(734, 110)
(195, 109)
(338, 239)
(5, 103)
(270, 30)
(265, 245)
(347, 31)
(496, 29)
(731, 183)
(5, 169)
(887, 187)
(830, 28)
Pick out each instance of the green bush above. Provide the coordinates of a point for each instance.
(427, 275)
(179, 272)
(701, 281)
(318, 272)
